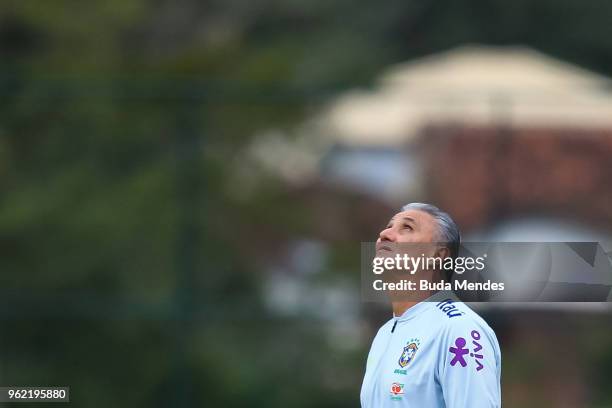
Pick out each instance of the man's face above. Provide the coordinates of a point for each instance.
(410, 226)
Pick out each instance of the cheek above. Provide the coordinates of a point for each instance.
(403, 238)
(407, 236)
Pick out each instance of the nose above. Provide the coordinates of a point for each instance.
(387, 235)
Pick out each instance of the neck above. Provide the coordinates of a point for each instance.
(400, 307)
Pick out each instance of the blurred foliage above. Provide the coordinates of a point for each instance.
(121, 124)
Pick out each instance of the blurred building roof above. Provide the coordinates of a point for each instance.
(472, 84)
(484, 174)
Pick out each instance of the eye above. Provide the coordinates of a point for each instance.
(408, 226)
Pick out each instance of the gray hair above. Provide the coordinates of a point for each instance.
(448, 232)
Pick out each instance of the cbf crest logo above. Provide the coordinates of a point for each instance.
(409, 352)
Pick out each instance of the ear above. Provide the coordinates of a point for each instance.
(443, 252)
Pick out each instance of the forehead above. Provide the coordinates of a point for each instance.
(419, 217)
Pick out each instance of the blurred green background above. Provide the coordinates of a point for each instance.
(148, 260)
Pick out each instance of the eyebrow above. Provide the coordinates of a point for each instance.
(405, 218)
(409, 219)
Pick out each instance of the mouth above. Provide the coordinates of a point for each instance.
(380, 248)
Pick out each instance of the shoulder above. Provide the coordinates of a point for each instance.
(459, 320)
(467, 339)
(458, 314)
(385, 328)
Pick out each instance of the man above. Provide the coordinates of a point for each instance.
(435, 351)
